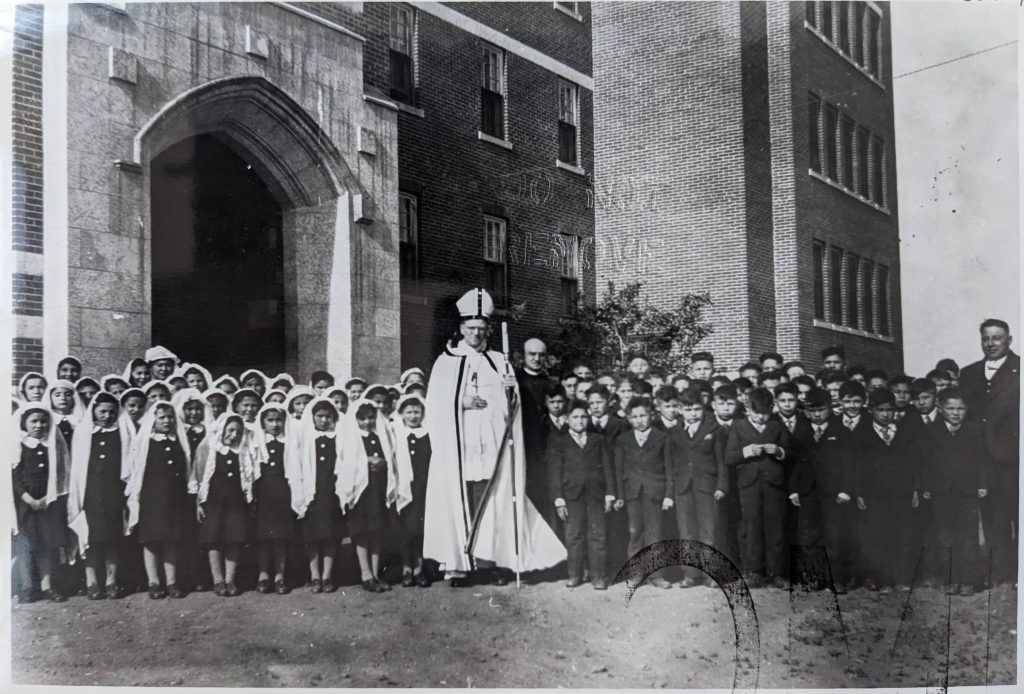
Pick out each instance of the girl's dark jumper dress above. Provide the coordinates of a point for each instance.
(38, 530)
(370, 512)
(195, 435)
(226, 516)
(323, 519)
(104, 503)
(419, 454)
(274, 517)
(66, 429)
(164, 508)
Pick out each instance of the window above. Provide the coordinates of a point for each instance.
(883, 300)
(568, 120)
(408, 237)
(813, 137)
(846, 138)
(831, 137)
(858, 32)
(401, 53)
(835, 280)
(572, 8)
(868, 280)
(843, 10)
(496, 281)
(819, 280)
(863, 162)
(812, 13)
(826, 19)
(569, 257)
(874, 47)
(492, 93)
(852, 293)
(878, 172)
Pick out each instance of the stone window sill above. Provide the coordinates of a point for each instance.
(852, 331)
(570, 167)
(832, 184)
(411, 110)
(566, 11)
(493, 140)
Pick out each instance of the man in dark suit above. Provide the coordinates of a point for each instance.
(991, 390)
(700, 479)
(757, 446)
(643, 476)
(583, 486)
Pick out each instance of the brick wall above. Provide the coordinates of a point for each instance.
(27, 356)
(27, 294)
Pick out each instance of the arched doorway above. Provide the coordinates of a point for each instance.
(217, 259)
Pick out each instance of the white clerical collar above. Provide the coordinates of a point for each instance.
(531, 372)
(163, 437)
(31, 441)
(96, 428)
(464, 348)
(326, 434)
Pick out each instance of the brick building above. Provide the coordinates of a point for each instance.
(747, 149)
(291, 185)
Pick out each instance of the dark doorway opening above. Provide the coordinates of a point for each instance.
(218, 260)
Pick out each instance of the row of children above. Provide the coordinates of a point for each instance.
(180, 461)
(880, 472)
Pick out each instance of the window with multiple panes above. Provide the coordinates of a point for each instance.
(878, 172)
(851, 27)
(848, 153)
(819, 280)
(492, 92)
(826, 19)
(813, 134)
(863, 162)
(401, 52)
(496, 267)
(569, 269)
(868, 293)
(408, 236)
(846, 139)
(843, 13)
(858, 32)
(811, 9)
(831, 138)
(572, 8)
(835, 282)
(852, 290)
(883, 300)
(568, 122)
(874, 45)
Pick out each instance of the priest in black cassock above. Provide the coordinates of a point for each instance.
(533, 381)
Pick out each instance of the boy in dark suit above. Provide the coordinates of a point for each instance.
(851, 399)
(954, 476)
(726, 409)
(552, 426)
(666, 402)
(757, 446)
(700, 479)
(602, 420)
(583, 484)
(787, 402)
(821, 486)
(888, 468)
(643, 474)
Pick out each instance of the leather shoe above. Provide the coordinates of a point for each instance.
(316, 586)
(30, 596)
(281, 587)
(264, 586)
(95, 592)
(966, 590)
(231, 590)
(457, 582)
(156, 592)
(372, 585)
(501, 580)
(423, 581)
(599, 584)
(408, 581)
(175, 592)
(573, 582)
(219, 589)
(54, 596)
(116, 592)
(329, 586)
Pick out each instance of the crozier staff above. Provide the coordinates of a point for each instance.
(469, 414)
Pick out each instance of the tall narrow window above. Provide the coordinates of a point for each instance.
(852, 290)
(831, 137)
(569, 248)
(878, 172)
(874, 31)
(826, 19)
(401, 53)
(811, 13)
(835, 286)
(492, 93)
(883, 300)
(848, 128)
(858, 33)
(843, 10)
(408, 237)
(863, 162)
(813, 137)
(568, 122)
(868, 281)
(496, 269)
(819, 280)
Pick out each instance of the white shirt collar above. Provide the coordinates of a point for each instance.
(882, 430)
(931, 416)
(602, 421)
(723, 422)
(581, 439)
(31, 441)
(995, 364)
(96, 428)
(325, 434)
(691, 429)
(669, 423)
(226, 450)
(559, 420)
(759, 428)
(163, 437)
(270, 437)
(641, 436)
(951, 429)
(419, 432)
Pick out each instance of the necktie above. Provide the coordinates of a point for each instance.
(818, 431)
(887, 435)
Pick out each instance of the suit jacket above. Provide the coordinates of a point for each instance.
(954, 463)
(801, 429)
(613, 429)
(915, 427)
(646, 470)
(531, 390)
(573, 470)
(764, 467)
(996, 405)
(826, 465)
(699, 461)
(885, 471)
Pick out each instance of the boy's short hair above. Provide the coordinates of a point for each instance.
(876, 373)
(727, 392)
(922, 385)
(554, 390)
(818, 397)
(599, 390)
(703, 385)
(786, 388)
(852, 389)
(702, 356)
(772, 375)
(761, 401)
(690, 397)
(936, 373)
(719, 380)
(321, 376)
(834, 377)
(771, 355)
(666, 394)
(675, 378)
(804, 380)
(856, 370)
(949, 365)
(577, 405)
(833, 350)
(643, 388)
(994, 323)
(947, 394)
(567, 375)
(791, 364)
(742, 382)
(750, 365)
(635, 402)
(901, 380)
(880, 396)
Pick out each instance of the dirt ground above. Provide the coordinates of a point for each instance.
(543, 635)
